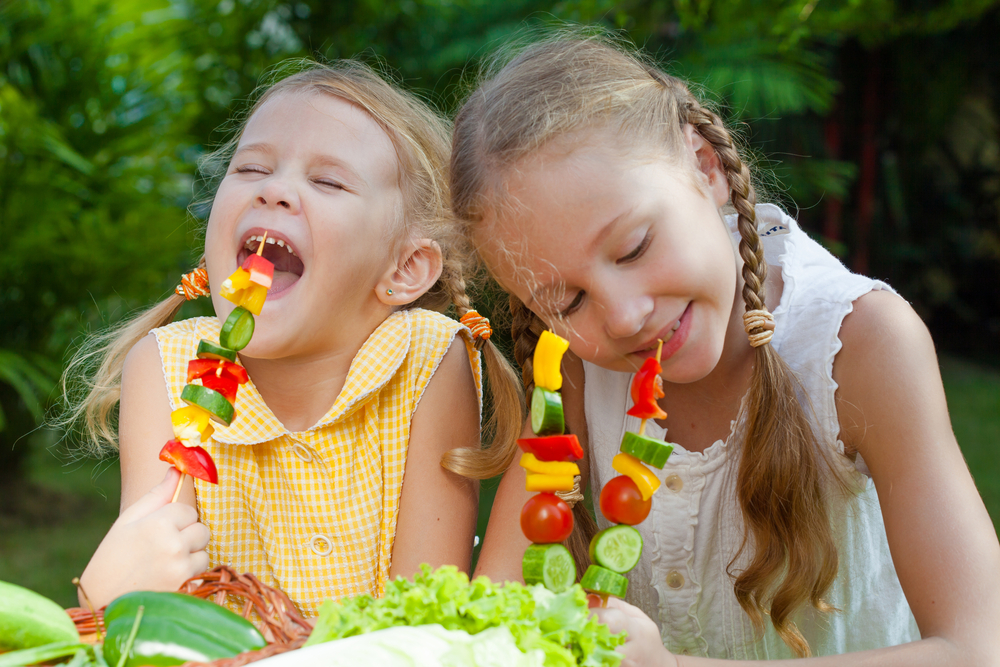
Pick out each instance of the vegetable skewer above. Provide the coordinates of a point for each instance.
(214, 400)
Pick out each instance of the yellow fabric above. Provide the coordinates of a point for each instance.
(314, 513)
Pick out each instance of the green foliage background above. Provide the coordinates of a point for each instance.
(106, 107)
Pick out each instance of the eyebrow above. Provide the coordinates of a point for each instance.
(321, 159)
(605, 231)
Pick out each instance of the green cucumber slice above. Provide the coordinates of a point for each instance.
(546, 412)
(648, 450)
(217, 405)
(237, 329)
(209, 350)
(617, 548)
(550, 565)
(604, 582)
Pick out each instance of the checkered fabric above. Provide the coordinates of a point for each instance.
(314, 513)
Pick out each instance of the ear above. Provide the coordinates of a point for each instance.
(416, 270)
(707, 160)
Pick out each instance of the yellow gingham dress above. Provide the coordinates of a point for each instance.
(314, 513)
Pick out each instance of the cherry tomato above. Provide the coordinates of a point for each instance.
(621, 502)
(546, 518)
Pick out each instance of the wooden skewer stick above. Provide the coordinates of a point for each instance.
(177, 491)
(659, 351)
(260, 248)
(93, 612)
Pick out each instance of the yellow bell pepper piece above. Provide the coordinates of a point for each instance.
(530, 463)
(538, 482)
(253, 298)
(233, 287)
(192, 425)
(628, 465)
(548, 355)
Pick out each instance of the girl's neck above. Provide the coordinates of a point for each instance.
(300, 390)
(700, 413)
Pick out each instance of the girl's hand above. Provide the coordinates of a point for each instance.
(154, 545)
(643, 647)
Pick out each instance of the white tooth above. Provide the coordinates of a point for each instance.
(289, 249)
(281, 244)
(271, 240)
(676, 326)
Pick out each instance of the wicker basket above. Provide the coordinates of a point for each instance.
(268, 608)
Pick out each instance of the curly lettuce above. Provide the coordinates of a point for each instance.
(558, 624)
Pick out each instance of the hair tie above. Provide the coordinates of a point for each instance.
(759, 325)
(194, 284)
(574, 495)
(479, 326)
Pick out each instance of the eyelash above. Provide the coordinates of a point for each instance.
(254, 169)
(574, 304)
(637, 253)
(632, 256)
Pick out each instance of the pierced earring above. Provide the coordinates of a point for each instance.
(389, 292)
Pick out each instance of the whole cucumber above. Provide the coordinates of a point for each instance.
(175, 629)
(28, 619)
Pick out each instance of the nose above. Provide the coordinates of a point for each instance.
(626, 313)
(277, 192)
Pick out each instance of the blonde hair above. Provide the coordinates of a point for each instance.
(562, 85)
(422, 143)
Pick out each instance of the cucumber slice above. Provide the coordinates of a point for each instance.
(617, 548)
(550, 565)
(546, 412)
(238, 329)
(217, 405)
(209, 350)
(648, 450)
(604, 582)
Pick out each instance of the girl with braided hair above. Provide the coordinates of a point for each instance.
(345, 464)
(816, 502)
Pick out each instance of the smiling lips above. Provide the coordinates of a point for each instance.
(288, 268)
(673, 336)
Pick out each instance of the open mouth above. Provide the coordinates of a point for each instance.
(288, 268)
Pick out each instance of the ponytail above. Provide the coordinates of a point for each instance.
(507, 416)
(92, 381)
(780, 480)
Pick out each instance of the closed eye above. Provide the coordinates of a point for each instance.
(250, 168)
(635, 254)
(329, 183)
(574, 304)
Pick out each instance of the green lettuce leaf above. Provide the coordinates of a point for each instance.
(559, 625)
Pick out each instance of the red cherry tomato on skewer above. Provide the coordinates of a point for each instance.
(621, 502)
(546, 518)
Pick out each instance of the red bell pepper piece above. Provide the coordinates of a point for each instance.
(199, 368)
(193, 461)
(224, 385)
(647, 386)
(553, 447)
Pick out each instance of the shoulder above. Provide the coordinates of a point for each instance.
(887, 365)
(191, 328)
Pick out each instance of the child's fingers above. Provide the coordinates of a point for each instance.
(613, 618)
(196, 536)
(629, 610)
(158, 496)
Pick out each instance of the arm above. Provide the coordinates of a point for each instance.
(437, 508)
(154, 545)
(504, 544)
(893, 412)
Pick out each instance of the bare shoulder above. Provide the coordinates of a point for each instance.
(887, 365)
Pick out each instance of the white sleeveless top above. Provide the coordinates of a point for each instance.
(695, 528)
